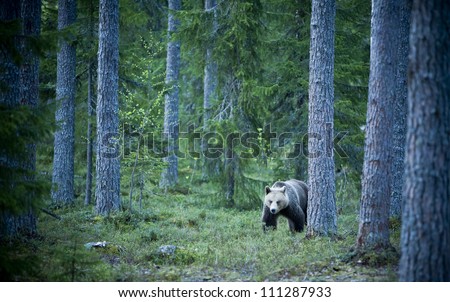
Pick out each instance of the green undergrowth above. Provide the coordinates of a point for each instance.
(212, 244)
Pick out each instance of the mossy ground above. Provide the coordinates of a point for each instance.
(213, 244)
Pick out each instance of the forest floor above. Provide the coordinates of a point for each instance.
(210, 243)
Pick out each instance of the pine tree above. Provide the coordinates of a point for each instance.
(64, 145)
(210, 75)
(425, 238)
(373, 230)
(20, 91)
(322, 214)
(90, 144)
(399, 138)
(210, 81)
(169, 176)
(107, 191)
(90, 111)
(239, 42)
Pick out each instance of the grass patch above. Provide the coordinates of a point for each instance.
(212, 244)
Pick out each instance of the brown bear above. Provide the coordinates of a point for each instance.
(289, 199)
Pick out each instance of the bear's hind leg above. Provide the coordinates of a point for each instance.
(295, 227)
(296, 221)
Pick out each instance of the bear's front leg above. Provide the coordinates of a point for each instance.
(269, 219)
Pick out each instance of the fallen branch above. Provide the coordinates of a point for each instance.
(51, 214)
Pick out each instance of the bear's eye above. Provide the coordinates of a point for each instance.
(270, 201)
(278, 202)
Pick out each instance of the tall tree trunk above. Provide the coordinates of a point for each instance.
(90, 112)
(209, 83)
(169, 176)
(31, 28)
(400, 106)
(107, 191)
(322, 215)
(425, 240)
(64, 145)
(90, 145)
(376, 183)
(10, 98)
(210, 75)
(22, 82)
(228, 109)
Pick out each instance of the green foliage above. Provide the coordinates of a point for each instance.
(235, 42)
(263, 80)
(351, 82)
(181, 256)
(262, 52)
(8, 35)
(16, 261)
(22, 127)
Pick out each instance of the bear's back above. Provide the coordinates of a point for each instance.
(300, 187)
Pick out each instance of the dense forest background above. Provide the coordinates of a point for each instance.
(138, 137)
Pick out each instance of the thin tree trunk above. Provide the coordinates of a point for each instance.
(376, 183)
(322, 215)
(425, 239)
(133, 172)
(90, 113)
(209, 84)
(64, 145)
(229, 104)
(169, 176)
(141, 190)
(107, 191)
(90, 145)
(400, 106)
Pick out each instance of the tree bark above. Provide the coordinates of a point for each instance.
(31, 28)
(169, 176)
(10, 98)
(22, 82)
(400, 106)
(90, 113)
(107, 191)
(209, 84)
(322, 215)
(425, 240)
(64, 144)
(373, 233)
(90, 145)
(210, 75)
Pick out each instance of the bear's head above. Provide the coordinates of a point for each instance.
(276, 199)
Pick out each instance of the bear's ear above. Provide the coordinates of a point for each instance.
(267, 190)
(283, 189)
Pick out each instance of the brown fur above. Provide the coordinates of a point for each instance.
(289, 199)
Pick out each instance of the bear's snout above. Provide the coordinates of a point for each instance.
(273, 211)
